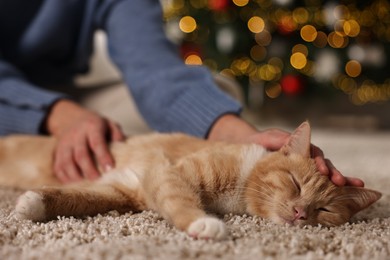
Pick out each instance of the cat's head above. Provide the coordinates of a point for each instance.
(286, 187)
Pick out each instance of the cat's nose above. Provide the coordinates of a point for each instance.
(300, 213)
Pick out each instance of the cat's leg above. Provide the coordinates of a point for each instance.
(180, 203)
(48, 203)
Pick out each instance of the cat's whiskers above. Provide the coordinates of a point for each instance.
(262, 193)
(264, 187)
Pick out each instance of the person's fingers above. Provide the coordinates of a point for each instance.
(354, 182)
(335, 175)
(64, 167)
(318, 156)
(59, 170)
(115, 131)
(61, 176)
(272, 139)
(84, 161)
(99, 147)
(72, 173)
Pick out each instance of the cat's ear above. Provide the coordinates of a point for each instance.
(358, 198)
(299, 142)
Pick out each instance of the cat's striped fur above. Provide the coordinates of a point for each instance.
(186, 180)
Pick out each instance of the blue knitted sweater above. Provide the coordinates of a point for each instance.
(48, 42)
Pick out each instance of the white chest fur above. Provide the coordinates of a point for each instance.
(234, 201)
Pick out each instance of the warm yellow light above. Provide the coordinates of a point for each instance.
(367, 92)
(193, 59)
(268, 72)
(256, 24)
(298, 60)
(338, 27)
(348, 85)
(318, 17)
(273, 90)
(187, 24)
(276, 62)
(309, 69)
(300, 48)
(241, 2)
(353, 68)
(308, 33)
(300, 15)
(228, 73)
(351, 28)
(242, 66)
(263, 38)
(337, 41)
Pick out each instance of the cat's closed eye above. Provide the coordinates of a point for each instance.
(296, 183)
(323, 209)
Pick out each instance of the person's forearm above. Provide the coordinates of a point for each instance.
(171, 96)
(23, 105)
(230, 127)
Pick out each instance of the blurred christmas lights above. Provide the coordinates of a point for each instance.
(339, 45)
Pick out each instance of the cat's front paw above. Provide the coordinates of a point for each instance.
(30, 205)
(208, 228)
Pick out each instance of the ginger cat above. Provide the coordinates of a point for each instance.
(185, 179)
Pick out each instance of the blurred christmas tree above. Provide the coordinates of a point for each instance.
(289, 48)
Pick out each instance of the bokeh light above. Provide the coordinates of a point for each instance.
(277, 62)
(256, 24)
(273, 89)
(187, 24)
(337, 41)
(241, 2)
(298, 60)
(308, 33)
(353, 68)
(268, 72)
(300, 48)
(300, 15)
(348, 85)
(263, 38)
(193, 59)
(351, 28)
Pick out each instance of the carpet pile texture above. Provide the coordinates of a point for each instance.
(148, 236)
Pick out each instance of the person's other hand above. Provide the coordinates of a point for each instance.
(326, 167)
(82, 144)
(234, 129)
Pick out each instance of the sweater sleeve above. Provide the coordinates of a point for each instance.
(23, 106)
(170, 95)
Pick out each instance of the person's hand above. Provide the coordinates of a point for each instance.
(234, 129)
(326, 167)
(82, 141)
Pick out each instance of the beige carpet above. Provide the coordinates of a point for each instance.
(147, 236)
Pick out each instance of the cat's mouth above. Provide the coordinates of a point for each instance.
(290, 221)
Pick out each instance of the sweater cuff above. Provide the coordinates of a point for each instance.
(24, 107)
(196, 109)
(19, 120)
